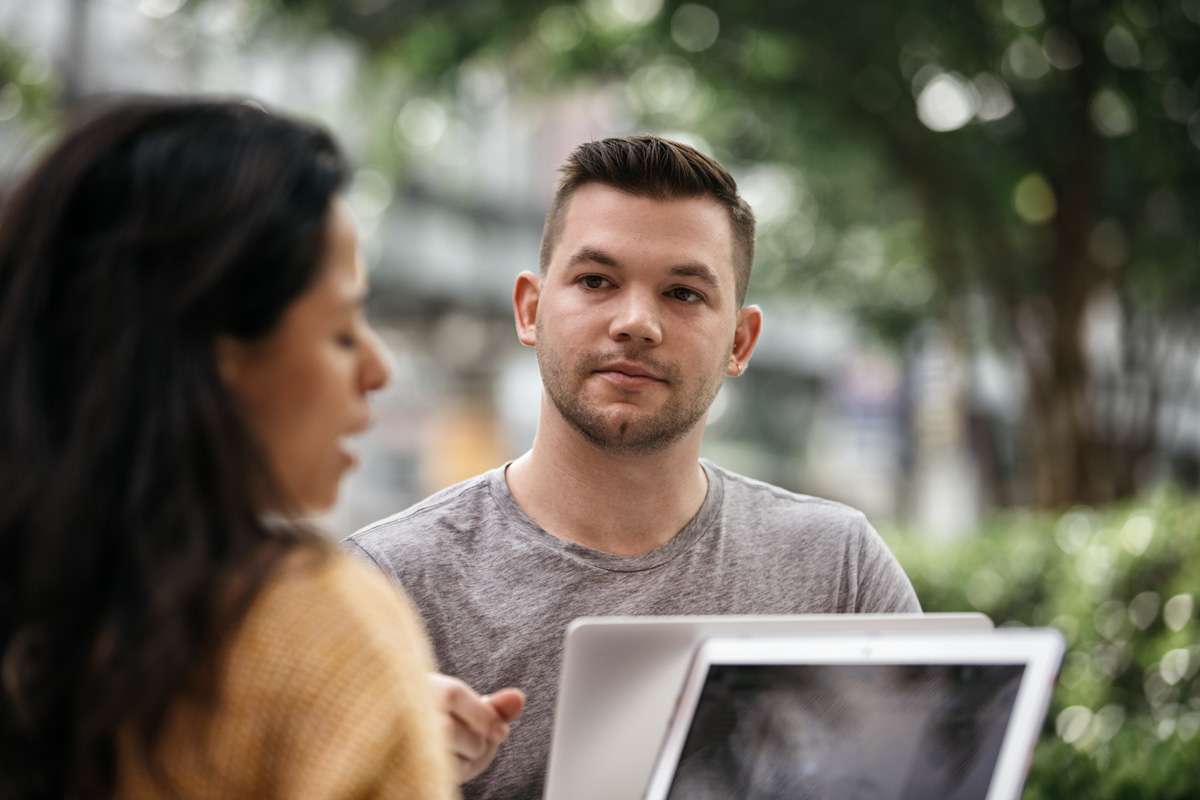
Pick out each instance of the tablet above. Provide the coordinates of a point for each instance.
(885, 715)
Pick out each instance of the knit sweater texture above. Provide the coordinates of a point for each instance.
(324, 694)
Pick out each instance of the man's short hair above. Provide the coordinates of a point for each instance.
(659, 169)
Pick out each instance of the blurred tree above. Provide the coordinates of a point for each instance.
(1037, 162)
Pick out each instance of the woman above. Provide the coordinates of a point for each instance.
(182, 350)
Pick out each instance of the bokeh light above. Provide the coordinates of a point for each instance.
(561, 27)
(1112, 114)
(421, 123)
(1024, 13)
(1034, 200)
(1121, 48)
(946, 103)
(695, 27)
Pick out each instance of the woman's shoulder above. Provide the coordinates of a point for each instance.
(323, 599)
(321, 576)
(325, 687)
(323, 694)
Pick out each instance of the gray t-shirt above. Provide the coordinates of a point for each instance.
(497, 592)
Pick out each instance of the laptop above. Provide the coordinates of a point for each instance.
(621, 677)
(885, 715)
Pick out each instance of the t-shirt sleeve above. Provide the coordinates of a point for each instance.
(356, 551)
(882, 585)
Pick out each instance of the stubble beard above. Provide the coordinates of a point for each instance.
(619, 433)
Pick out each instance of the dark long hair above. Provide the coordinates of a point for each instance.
(131, 538)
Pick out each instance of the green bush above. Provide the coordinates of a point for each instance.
(1122, 585)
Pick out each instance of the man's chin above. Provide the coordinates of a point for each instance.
(629, 439)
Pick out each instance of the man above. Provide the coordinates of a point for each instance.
(637, 316)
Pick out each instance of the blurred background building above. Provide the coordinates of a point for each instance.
(961, 312)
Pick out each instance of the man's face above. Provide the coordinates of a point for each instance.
(636, 317)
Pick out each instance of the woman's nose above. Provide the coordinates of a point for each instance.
(376, 368)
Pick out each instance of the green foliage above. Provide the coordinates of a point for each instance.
(1031, 158)
(1122, 586)
(27, 89)
(831, 89)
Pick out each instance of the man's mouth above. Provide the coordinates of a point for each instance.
(630, 375)
(631, 369)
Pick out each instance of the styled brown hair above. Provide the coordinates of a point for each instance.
(659, 169)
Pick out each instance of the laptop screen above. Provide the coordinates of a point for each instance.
(847, 731)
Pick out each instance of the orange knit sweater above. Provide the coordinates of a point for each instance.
(324, 695)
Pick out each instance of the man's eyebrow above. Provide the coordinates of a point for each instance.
(703, 272)
(592, 255)
(699, 270)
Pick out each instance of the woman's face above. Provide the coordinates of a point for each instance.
(303, 387)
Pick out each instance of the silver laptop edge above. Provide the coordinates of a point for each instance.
(621, 678)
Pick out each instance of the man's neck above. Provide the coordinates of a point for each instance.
(617, 504)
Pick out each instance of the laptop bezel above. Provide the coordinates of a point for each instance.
(1040, 650)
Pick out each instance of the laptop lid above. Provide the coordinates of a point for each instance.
(891, 716)
(621, 677)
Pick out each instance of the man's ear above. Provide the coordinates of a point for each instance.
(526, 294)
(745, 337)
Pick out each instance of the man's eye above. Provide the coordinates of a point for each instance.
(686, 295)
(347, 340)
(594, 281)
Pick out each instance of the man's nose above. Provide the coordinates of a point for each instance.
(637, 318)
